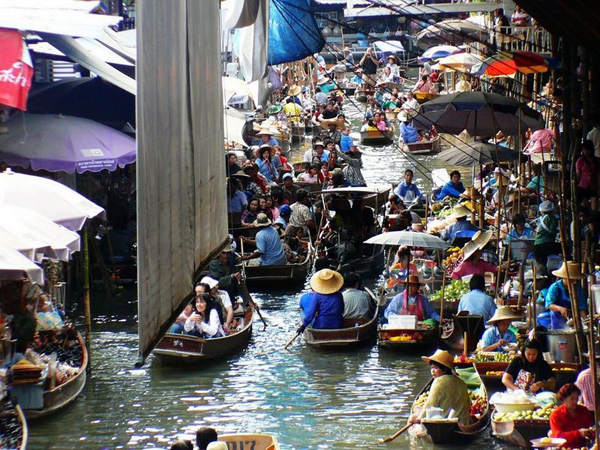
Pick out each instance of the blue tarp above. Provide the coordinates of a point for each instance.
(293, 31)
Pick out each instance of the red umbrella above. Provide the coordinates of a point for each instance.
(506, 64)
(16, 70)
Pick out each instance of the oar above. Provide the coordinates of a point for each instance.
(292, 339)
(400, 431)
(244, 288)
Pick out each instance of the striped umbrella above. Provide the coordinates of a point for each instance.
(508, 63)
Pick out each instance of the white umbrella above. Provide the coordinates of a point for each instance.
(438, 51)
(40, 232)
(463, 62)
(389, 46)
(408, 238)
(13, 265)
(52, 200)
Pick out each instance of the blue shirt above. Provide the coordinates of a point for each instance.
(492, 336)
(397, 302)
(527, 234)
(558, 295)
(408, 133)
(477, 302)
(449, 233)
(272, 142)
(346, 142)
(237, 203)
(264, 169)
(404, 189)
(451, 190)
(269, 245)
(323, 311)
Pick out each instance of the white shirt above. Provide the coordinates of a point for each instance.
(305, 176)
(410, 104)
(211, 328)
(594, 136)
(225, 299)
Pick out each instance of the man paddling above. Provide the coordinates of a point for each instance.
(323, 307)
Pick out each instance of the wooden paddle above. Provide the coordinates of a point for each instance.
(244, 289)
(292, 339)
(400, 431)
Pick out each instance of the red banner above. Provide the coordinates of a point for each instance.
(16, 70)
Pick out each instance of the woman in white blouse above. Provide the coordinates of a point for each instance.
(204, 321)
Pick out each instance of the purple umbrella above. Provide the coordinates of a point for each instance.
(63, 143)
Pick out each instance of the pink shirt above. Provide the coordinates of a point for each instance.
(540, 141)
(587, 173)
(469, 267)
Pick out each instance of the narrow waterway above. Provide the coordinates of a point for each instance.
(307, 398)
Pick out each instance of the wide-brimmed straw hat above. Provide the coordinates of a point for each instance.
(403, 116)
(294, 90)
(546, 206)
(260, 150)
(241, 173)
(262, 220)
(414, 279)
(460, 211)
(469, 248)
(481, 238)
(471, 194)
(574, 271)
(441, 357)
(504, 313)
(326, 281)
(339, 123)
(265, 131)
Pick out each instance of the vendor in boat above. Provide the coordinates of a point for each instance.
(496, 337)
(400, 269)
(476, 301)
(447, 391)
(460, 213)
(407, 131)
(269, 251)
(453, 188)
(558, 300)
(223, 270)
(529, 371)
(407, 191)
(472, 262)
(204, 321)
(570, 420)
(412, 302)
(266, 165)
(358, 304)
(520, 229)
(323, 307)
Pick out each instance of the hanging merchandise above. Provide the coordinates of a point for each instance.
(16, 70)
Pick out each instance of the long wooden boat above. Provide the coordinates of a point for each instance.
(520, 432)
(367, 266)
(423, 147)
(24, 429)
(288, 275)
(250, 441)
(62, 395)
(450, 431)
(408, 341)
(377, 137)
(13, 430)
(183, 349)
(349, 336)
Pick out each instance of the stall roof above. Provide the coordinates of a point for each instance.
(355, 190)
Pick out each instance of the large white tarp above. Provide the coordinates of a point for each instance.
(182, 219)
(252, 45)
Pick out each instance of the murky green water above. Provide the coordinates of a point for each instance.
(308, 398)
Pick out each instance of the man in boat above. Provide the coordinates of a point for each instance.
(496, 337)
(323, 307)
(205, 436)
(411, 105)
(269, 251)
(460, 213)
(558, 300)
(292, 110)
(407, 191)
(357, 303)
(333, 133)
(369, 65)
(320, 97)
(412, 302)
(447, 391)
(301, 216)
(316, 154)
(224, 271)
(477, 301)
(284, 216)
(237, 202)
(289, 189)
(452, 188)
(331, 112)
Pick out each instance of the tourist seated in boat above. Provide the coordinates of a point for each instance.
(204, 436)
(392, 64)
(320, 97)
(223, 270)
(316, 154)
(412, 302)
(447, 391)
(558, 301)
(453, 188)
(315, 120)
(424, 85)
(291, 246)
(270, 209)
(357, 302)
(411, 105)
(269, 251)
(520, 229)
(352, 171)
(253, 171)
(226, 308)
(311, 175)
(265, 163)
(357, 78)
(546, 231)
(460, 213)
(332, 148)
(323, 307)
(476, 301)
(301, 216)
(237, 201)
(251, 213)
(407, 131)
(289, 189)
(178, 326)
(248, 187)
(204, 321)
(333, 134)
(496, 337)
(572, 421)
(372, 108)
(386, 76)
(472, 262)
(391, 104)
(407, 191)
(331, 111)
(232, 164)
(346, 140)
(284, 216)
(293, 110)
(529, 371)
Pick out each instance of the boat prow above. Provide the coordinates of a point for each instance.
(377, 137)
(250, 441)
(423, 147)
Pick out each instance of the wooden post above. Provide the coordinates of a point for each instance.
(592, 360)
(86, 295)
(534, 300)
(442, 299)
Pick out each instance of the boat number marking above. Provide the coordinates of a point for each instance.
(244, 445)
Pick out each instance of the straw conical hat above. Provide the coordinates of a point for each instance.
(471, 193)
(460, 211)
(574, 271)
(294, 90)
(326, 281)
(441, 357)
(504, 313)
(481, 238)
(469, 248)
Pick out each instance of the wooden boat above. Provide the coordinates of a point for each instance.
(449, 431)
(250, 441)
(423, 97)
(62, 395)
(24, 429)
(408, 341)
(377, 137)
(298, 131)
(520, 432)
(185, 349)
(349, 336)
(367, 266)
(14, 432)
(423, 147)
(288, 275)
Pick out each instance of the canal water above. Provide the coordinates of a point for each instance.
(307, 398)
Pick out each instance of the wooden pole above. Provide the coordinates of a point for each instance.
(86, 295)
(592, 361)
(442, 299)
(534, 300)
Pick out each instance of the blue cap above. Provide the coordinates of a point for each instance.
(285, 209)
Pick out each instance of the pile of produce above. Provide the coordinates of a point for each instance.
(564, 369)
(422, 399)
(478, 404)
(11, 432)
(453, 259)
(542, 413)
(493, 357)
(407, 337)
(494, 373)
(453, 291)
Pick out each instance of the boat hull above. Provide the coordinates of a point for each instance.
(290, 275)
(520, 432)
(427, 338)
(423, 147)
(254, 441)
(376, 137)
(182, 349)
